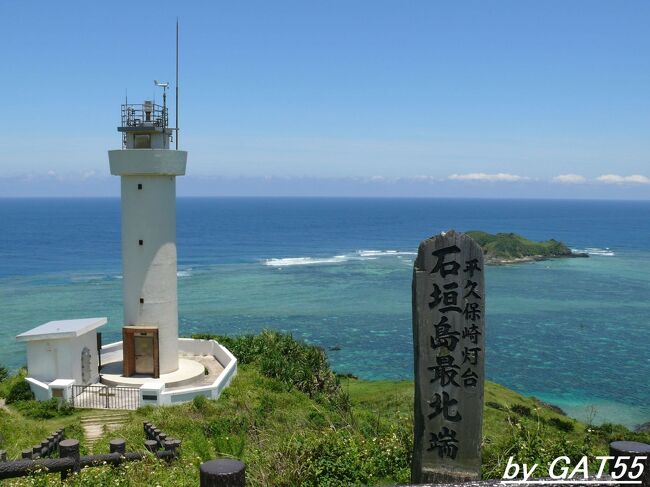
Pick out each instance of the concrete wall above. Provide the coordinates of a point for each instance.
(149, 270)
(193, 346)
(48, 360)
(42, 359)
(213, 391)
(154, 162)
(40, 389)
(112, 352)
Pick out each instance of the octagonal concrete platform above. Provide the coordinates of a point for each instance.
(192, 371)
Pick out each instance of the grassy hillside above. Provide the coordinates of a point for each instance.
(510, 246)
(305, 426)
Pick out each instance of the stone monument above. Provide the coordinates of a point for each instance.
(449, 358)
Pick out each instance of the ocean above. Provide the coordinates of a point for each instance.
(337, 273)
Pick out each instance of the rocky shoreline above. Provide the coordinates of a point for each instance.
(492, 260)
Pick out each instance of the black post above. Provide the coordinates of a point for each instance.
(26, 454)
(177, 443)
(222, 473)
(3, 456)
(151, 445)
(70, 449)
(118, 445)
(99, 351)
(631, 450)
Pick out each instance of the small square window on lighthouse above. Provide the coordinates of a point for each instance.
(142, 141)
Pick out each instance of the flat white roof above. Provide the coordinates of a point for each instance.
(62, 329)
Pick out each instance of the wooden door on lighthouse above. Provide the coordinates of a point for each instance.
(143, 347)
(140, 348)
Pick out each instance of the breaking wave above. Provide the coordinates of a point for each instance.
(337, 259)
(289, 261)
(606, 252)
(382, 253)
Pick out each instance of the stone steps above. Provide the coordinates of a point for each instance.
(98, 424)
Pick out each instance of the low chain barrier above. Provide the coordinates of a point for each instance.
(232, 473)
(70, 460)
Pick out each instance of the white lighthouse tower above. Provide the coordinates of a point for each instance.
(148, 169)
(151, 365)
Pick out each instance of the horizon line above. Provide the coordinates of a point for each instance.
(357, 197)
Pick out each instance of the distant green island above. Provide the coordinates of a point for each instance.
(509, 248)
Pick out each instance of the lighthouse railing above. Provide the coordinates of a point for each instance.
(144, 115)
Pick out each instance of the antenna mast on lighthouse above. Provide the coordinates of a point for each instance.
(176, 83)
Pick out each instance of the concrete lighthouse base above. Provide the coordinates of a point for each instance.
(191, 370)
(205, 368)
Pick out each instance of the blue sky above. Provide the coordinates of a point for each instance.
(371, 98)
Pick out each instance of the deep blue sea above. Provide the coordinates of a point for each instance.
(337, 272)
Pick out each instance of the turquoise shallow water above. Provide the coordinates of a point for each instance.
(574, 332)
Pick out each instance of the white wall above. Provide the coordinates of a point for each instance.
(156, 162)
(193, 346)
(42, 359)
(41, 390)
(48, 360)
(212, 391)
(113, 352)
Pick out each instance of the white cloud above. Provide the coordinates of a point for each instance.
(569, 179)
(481, 176)
(617, 179)
(422, 178)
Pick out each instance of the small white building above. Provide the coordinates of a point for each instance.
(66, 350)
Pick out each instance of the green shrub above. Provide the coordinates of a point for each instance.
(20, 391)
(10, 381)
(533, 440)
(495, 405)
(51, 408)
(562, 424)
(4, 373)
(342, 458)
(200, 403)
(295, 364)
(521, 410)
